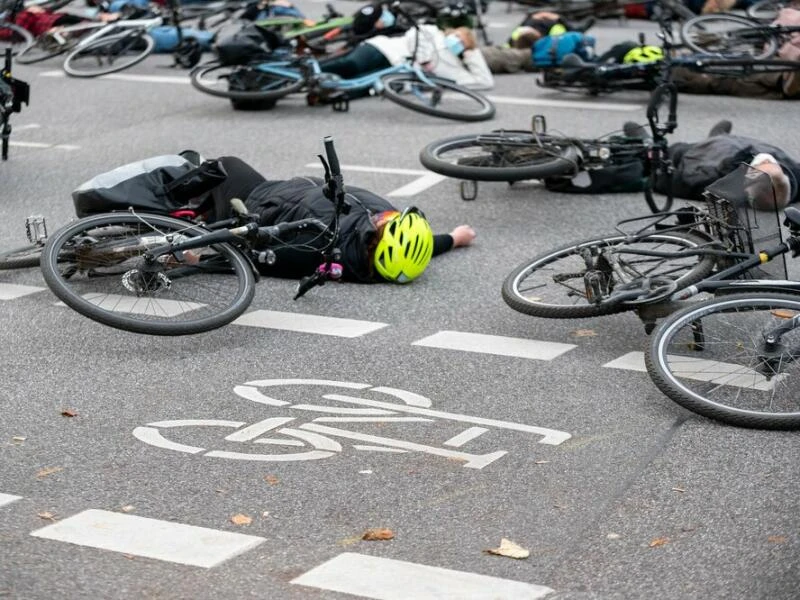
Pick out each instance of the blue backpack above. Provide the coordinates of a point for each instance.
(550, 50)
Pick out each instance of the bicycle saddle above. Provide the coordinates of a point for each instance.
(792, 217)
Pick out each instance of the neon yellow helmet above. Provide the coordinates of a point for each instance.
(557, 29)
(643, 54)
(405, 247)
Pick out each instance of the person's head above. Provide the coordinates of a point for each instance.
(372, 16)
(525, 37)
(460, 39)
(769, 197)
(404, 245)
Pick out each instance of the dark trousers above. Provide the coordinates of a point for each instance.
(363, 59)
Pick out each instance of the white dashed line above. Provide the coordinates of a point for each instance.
(495, 344)
(389, 579)
(304, 323)
(151, 538)
(10, 291)
(8, 499)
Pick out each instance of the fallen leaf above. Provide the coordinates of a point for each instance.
(777, 539)
(127, 508)
(377, 534)
(48, 471)
(69, 413)
(241, 519)
(677, 489)
(46, 515)
(509, 549)
(584, 333)
(658, 542)
(271, 479)
(129, 556)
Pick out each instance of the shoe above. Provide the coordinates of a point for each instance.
(634, 130)
(573, 61)
(722, 128)
(791, 84)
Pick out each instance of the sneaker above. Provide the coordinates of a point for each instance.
(791, 85)
(721, 128)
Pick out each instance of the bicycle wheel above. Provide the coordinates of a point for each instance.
(712, 358)
(109, 54)
(44, 47)
(243, 82)
(441, 99)
(557, 284)
(20, 258)
(765, 10)
(728, 34)
(95, 266)
(500, 156)
(14, 37)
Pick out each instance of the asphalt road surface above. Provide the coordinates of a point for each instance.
(230, 464)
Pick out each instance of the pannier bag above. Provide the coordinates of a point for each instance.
(166, 37)
(159, 184)
(251, 43)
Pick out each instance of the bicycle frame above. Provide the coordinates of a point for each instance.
(117, 26)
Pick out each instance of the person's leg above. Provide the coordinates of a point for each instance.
(241, 180)
(363, 59)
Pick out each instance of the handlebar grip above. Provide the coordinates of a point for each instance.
(333, 160)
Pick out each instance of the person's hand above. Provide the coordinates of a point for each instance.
(463, 235)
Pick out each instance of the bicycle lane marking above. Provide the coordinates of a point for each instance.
(319, 432)
(12, 291)
(367, 576)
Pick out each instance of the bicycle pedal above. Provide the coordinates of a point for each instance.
(36, 229)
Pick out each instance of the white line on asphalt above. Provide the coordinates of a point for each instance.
(308, 323)
(615, 106)
(151, 538)
(418, 185)
(18, 128)
(389, 579)
(9, 291)
(700, 369)
(128, 77)
(632, 361)
(19, 144)
(8, 499)
(495, 344)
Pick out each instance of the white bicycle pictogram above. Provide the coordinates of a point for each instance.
(317, 435)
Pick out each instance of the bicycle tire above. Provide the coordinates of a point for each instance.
(43, 48)
(275, 86)
(569, 264)
(94, 266)
(765, 10)
(395, 86)
(21, 258)
(15, 37)
(716, 34)
(500, 156)
(728, 383)
(110, 53)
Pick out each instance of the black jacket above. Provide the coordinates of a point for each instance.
(301, 198)
(699, 165)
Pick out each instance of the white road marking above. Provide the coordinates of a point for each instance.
(632, 361)
(9, 291)
(613, 106)
(127, 77)
(465, 436)
(8, 499)
(19, 144)
(418, 185)
(151, 538)
(389, 579)
(700, 369)
(308, 323)
(495, 344)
